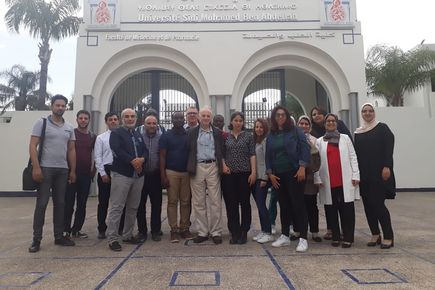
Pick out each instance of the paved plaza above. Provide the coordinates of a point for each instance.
(162, 265)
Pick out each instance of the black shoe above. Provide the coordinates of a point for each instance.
(294, 237)
(328, 236)
(101, 235)
(142, 237)
(160, 233)
(374, 244)
(131, 240)
(385, 246)
(335, 243)
(199, 239)
(234, 240)
(115, 246)
(35, 247)
(79, 235)
(346, 245)
(64, 241)
(317, 239)
(243, 238)
(156, 237)
(217, 240)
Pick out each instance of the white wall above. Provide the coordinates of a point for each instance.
(14, 145)
(414, 157)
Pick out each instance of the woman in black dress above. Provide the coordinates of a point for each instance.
(374, 145)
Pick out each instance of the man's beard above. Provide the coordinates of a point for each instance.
(58, 113)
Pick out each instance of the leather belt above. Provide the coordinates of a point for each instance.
(207, 161)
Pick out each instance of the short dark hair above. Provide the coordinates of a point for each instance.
(108, 115)
(58, 97)
(84, 112)
(235, 114)
(288, 125)
(263, 122)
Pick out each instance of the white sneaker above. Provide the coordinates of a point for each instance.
(273, 230)
(281, 241)
(265, 238)
(302, 246)
(258, 236)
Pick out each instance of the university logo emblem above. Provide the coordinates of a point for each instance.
(336, 13)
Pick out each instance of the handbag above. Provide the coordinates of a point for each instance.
(28, 182)
(315, 158)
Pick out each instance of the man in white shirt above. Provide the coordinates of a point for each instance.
(103, 162)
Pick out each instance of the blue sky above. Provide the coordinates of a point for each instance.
(403, 23)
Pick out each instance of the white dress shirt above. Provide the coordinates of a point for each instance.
(103, 153)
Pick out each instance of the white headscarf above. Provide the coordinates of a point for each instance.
(310, 138)
(367, 126)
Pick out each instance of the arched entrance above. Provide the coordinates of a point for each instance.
(164, 91)
(295, 90)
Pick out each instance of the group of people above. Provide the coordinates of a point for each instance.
(201, 166)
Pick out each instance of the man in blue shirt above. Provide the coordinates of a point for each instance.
(174, 176)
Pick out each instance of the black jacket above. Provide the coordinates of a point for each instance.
(121, 143)
(192, 147)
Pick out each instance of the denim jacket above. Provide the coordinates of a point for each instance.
(297, 148)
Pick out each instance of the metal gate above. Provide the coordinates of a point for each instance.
(263, 93)
(164, 91)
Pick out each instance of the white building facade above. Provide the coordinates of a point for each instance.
(219, 49)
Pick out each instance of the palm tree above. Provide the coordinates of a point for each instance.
(19, 90)
(392, 72)
(46, 21)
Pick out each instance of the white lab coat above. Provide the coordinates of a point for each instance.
(349, 169)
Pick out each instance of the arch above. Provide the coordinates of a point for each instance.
(298, 56)
(143, 57)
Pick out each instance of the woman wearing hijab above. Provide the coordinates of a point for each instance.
(311, 189)
(317, 115)
(374, 145)
(287, 155)
(338, 179)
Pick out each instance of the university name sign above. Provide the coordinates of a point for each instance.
(110, 14)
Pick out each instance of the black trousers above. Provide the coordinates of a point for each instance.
(103, 203)
(78, 191)
(152, 187)
(292, 204)
(346, 210)
(376, 212)
(237, 193)
(312, 212)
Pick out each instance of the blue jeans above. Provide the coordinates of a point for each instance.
(272, 205)
(260, 195)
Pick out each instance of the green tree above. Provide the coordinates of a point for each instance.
(19, 89)
(45, 21)
(391, 72)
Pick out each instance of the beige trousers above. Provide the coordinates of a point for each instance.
(207, 181)
(179, 190)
